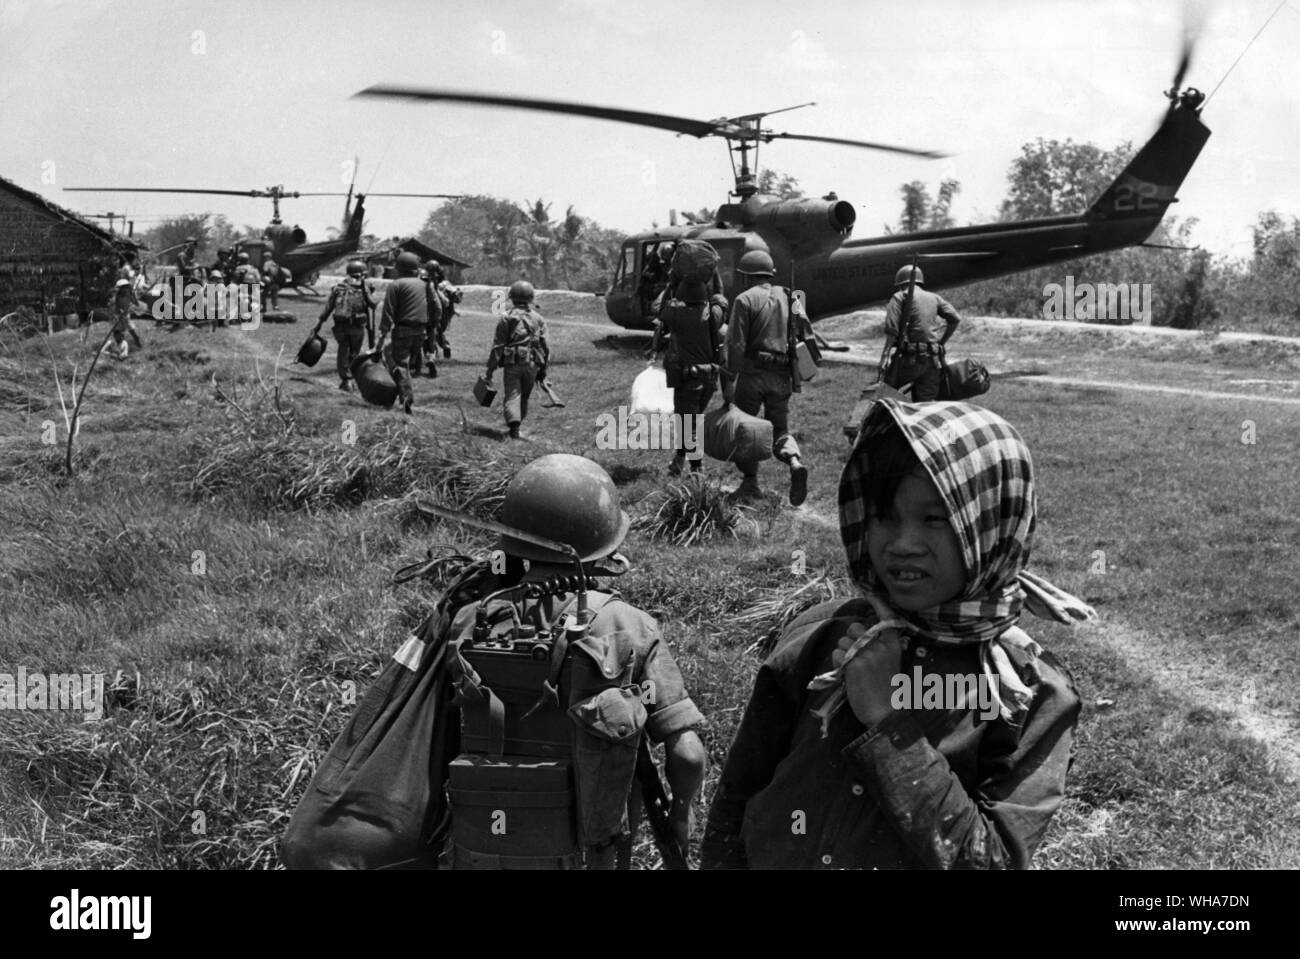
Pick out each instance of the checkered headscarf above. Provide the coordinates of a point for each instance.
(982, 469)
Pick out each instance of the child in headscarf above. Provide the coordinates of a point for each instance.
(840, 761)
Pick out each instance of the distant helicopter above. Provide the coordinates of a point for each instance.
(288, 245)
(810, 239)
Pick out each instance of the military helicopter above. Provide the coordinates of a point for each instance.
(810, 240)
(288, 245)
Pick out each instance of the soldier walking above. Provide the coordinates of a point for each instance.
(353, 309)
(918, 325)
(519, 347)
(409, 311)
(247, 275)
(691, 325)
(758, 370)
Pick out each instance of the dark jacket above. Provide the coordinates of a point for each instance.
(760, 321)
(932, 317)
(926, 788)
(409, 305)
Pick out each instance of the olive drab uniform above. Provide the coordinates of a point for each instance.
(694, 332)
(519, 347)
(250, 301)
(550, 743)
(410, 310)
(919, 347)
(758, 359)
(351, 304)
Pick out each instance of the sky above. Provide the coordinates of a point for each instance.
(242, 95)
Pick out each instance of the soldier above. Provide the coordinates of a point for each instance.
(691, 323)
(409, 311)
(559, 688)
(187, 261)
(270, 283)
(224, 266)
(449, 296)
(916, 340)
(247, 275)
(520, 348)
(758, 370)
(354, 315)
(572, 500)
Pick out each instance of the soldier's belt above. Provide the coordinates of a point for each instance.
(922, 349)
(771, 361)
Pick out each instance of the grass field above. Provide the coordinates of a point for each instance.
(224, 552)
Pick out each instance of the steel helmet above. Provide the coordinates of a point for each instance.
(122, 282)
(521, 291)
(756, 263)
(565, 498)
(905, 273)
(356, 268)
(243, 257)
(408, 263)
(434, 269)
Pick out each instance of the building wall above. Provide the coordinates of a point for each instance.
(45, 259)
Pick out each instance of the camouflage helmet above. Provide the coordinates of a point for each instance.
(521, 291)
(568, 499)
(756, 263)
(408, 263)
(356, 268)
(905, 274)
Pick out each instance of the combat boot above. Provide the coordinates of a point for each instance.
(345, 386)
(675, 467)
(798, 481)
(514, 431)
(748, 490)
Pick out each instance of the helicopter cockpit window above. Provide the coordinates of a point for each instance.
(625, 278)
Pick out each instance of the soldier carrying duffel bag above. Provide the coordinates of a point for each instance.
(511, 730)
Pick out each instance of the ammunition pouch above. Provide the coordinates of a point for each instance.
(915, 351)
(609, 729)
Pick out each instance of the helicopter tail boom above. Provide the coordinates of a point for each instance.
(1149, 183)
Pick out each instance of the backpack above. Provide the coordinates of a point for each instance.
(514, 790)
(521, 352)
(350, 304)
(694, 261)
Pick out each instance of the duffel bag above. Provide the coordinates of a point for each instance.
(732, 435)
(963, 379)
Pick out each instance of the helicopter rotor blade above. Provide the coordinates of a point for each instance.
(727, 127)
(928, 154)
(695, 128)
(158, 189)
(444, 196)
(1193, 21)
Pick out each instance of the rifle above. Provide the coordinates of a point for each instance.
(657, 806)
(904, 322)
(546, 388)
